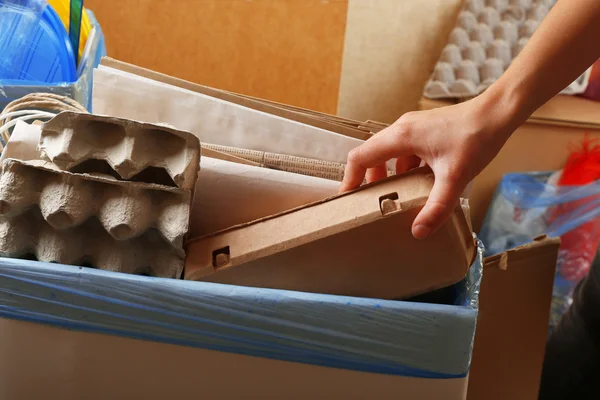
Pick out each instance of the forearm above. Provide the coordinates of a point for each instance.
(564, 45)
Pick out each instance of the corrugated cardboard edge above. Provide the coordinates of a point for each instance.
(245, 101)
(514, 308)
(211, 153)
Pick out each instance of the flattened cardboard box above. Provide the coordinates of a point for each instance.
(356, 244)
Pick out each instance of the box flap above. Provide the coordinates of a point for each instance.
(314, 248)
(514, 310)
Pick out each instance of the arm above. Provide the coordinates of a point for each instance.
(459, 141)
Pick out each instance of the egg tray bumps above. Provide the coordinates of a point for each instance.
(488, 35)
(79, 206)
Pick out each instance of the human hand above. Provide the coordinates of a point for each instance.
(456, 142)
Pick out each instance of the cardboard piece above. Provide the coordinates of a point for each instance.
(514, 310)
(209, 152)
(234, 193)
(23, 143)
(390, 49)
(306, 249)
(213, 120)
(97, 367)
(282, 162)
(302, 115)
(134, 150)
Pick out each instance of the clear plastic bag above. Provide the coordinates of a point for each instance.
(529, 205)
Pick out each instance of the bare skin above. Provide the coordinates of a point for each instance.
(459, 141)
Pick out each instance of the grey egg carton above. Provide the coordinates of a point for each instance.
(28, 235)
(489, 34)
(126, 149)
(66, 200)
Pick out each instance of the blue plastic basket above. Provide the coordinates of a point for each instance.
(79, 86)
(49, 57)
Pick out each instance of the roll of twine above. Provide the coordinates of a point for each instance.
(48, 103)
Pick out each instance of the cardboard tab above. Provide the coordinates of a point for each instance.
(314, 248)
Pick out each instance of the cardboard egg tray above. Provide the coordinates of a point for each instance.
(66, 200)
(489, 34)
(29, 235)
(129, 150)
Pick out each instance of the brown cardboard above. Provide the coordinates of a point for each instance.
(514, 309)
(516, 288)
(134, 150)
(554, 131)
(390, 49)
(314, 248)
(261, 191)
(282, 162)
(41, 361)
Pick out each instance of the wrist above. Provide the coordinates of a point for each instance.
(505, 107)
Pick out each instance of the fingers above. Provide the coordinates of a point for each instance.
(442, 200)
(376, 151)
(376, 173)
(405, 164)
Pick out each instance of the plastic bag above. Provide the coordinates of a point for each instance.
(529, 205)
(401, 338)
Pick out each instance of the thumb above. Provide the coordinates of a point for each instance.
(442, 200)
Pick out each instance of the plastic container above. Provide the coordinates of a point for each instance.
(80, 89)
(48, 57)
(19, 24)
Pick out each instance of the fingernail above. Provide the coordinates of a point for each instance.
(421, 232)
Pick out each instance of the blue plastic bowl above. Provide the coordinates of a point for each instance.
(49, 57)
